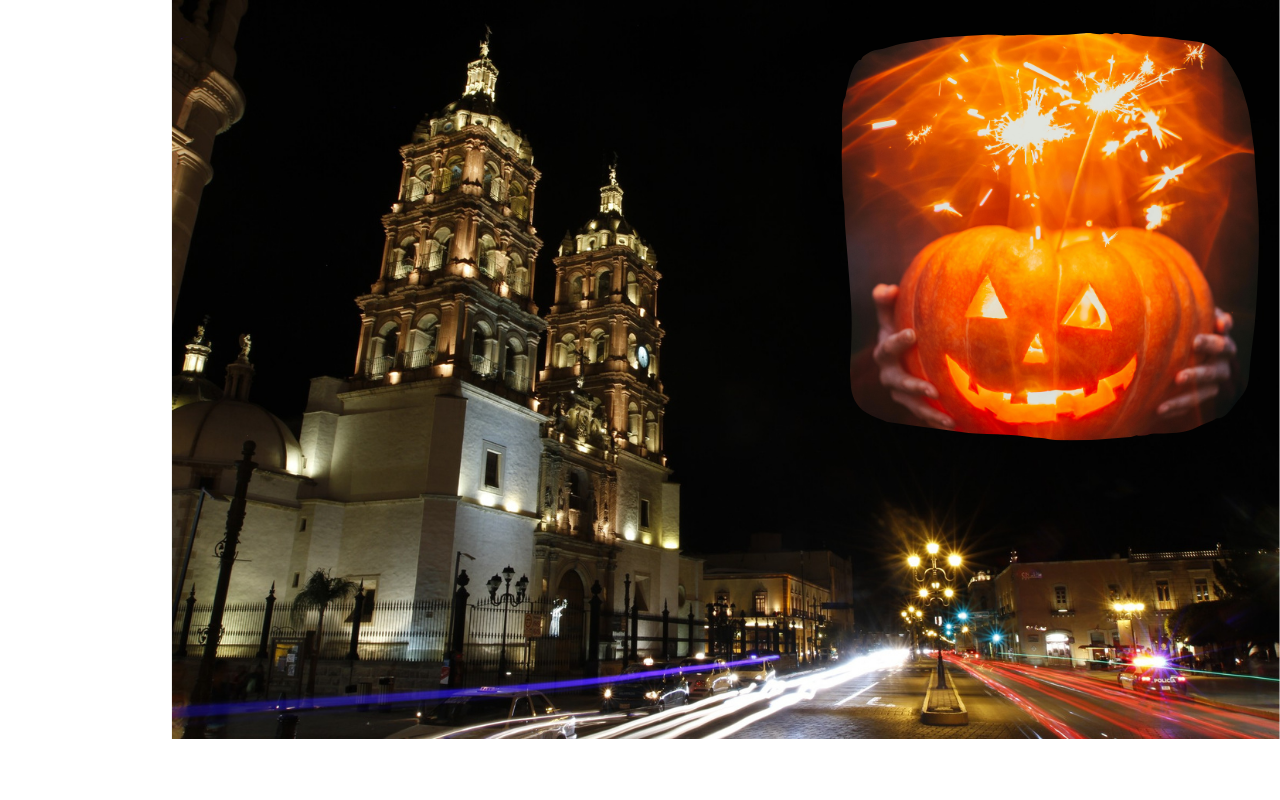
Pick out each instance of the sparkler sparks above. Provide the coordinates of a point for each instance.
(1162, 180)
(1158, 215)
(946, 206)
(916, 138)
(983, 201)
(1106, 240)
(1028, 132)
(1039, 71)
(1110, 148)
(1195, 52)
(1152, 120)
(887, 123)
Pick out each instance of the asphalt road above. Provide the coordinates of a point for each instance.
(1079, 705)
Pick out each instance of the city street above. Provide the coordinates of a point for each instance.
(877, 697)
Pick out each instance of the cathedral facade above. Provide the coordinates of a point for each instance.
(448, 440)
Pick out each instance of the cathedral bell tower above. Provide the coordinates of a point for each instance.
(604, 337)
(607, 508)
(453, 296)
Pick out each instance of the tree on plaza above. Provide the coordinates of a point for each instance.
(320, 591)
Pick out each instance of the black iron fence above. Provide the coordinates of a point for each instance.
(543, 638)
(390, 631)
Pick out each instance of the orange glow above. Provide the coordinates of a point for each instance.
(1087, 311)
(1042, 406)
(946, 207)
(1035, 353)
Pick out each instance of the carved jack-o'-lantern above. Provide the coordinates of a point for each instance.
(1083, 345)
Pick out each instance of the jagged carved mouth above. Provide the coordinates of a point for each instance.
(1042, 406)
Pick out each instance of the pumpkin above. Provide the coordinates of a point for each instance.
(1082, 346)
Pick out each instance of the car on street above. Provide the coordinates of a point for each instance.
(971, 653)
(708, 676)
(1152, 675)
(489, 711)
(755, 670)
(650, 685)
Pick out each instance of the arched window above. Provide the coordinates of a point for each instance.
(631, 351)
(421, 349)
(487, 181)
(486, 251)
(483, 349)
(440, 249)
(599, 348)
(420, 184)
(568, 347)
(604, 284)
(405, 255)
(515, 370)
(650, 431)
(575, 289)
(519, 203)
(517, 276)
(452, 175)
(591, 245)
(633, 423)
(575, 492)
(382, 354)
(633, 288)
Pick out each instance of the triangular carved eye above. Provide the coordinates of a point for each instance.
(985, 303)
(1087, 312)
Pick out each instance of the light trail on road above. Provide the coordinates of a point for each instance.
(779, 694)
(1049, 694)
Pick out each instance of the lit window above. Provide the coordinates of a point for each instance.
(760, 601)
(494, 455)
(1202, 590)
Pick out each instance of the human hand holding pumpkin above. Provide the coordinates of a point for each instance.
(1205, 378)
(891, 343)
(907, 390)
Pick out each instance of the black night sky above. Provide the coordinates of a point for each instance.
(725, 133)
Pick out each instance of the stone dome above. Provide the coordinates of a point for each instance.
(214, 432)
(193, 389)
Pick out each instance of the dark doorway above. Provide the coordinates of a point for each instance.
(572, 629)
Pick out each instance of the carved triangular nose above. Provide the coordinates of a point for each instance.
(1035, 353)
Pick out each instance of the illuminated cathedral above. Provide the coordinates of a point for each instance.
(451, 435)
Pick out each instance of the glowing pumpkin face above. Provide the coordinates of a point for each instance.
(1078, 346)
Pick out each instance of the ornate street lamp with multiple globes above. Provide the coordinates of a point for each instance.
(934, 586)
(506, 600)
(1130, 612)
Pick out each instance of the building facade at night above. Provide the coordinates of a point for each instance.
(1058, 610)
(447, 439)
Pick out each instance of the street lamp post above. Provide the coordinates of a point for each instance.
(505, 601)
(931, 589)
(1130, 612)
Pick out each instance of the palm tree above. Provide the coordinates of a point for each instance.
(320, 591)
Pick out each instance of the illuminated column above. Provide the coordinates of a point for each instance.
(447, 343)
(404, 178)
(366, 336)
(532, 186)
